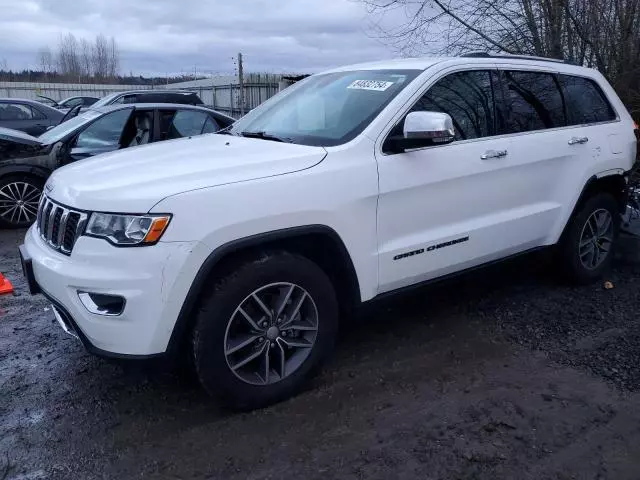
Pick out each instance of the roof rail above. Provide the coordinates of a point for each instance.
(509, 55)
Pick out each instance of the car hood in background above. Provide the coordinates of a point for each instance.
(135, 179)
(17, 136)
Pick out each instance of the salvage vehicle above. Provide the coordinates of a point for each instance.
(70, 102)
(183, 97)
(28, 116)
(26, 162)
(244, 250)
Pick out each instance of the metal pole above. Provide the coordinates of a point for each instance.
(241, 84)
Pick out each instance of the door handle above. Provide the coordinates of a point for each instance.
(578, 140)
(493, 154)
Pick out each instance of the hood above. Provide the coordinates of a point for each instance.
(17, 136)
(135, 179)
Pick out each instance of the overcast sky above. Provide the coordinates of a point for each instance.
(161, 36)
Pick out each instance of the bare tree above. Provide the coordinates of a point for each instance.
(101, 57)
(86, 58)
(46, 61)
(3, 64)
(114, 58)
(68, 58)
(604, 34)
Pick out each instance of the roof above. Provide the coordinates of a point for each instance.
(182, 106)
(395, 64)
(18, 100)
(159, 91)
(36, 103)
(474, 58)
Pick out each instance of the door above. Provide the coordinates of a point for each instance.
(19, 116)
(536, 118)
(41, 122)
(450, 207)
(101, 136)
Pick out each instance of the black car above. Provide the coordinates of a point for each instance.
(151, 96)
(70, 102)
(26, 161)
(28, 116)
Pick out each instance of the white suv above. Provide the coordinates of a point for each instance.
(244, 249)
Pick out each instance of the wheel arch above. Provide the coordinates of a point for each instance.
(319, 243)
(35, 170)
(614, 183)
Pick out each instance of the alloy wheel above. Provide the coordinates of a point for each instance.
(271, 333)
(596, 239)
(19, 202)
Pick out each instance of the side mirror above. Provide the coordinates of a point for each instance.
(424, 129)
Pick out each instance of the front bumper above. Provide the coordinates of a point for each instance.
(153, 280)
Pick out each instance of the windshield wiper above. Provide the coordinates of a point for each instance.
(265, 136)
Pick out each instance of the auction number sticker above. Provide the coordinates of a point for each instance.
(376, 85)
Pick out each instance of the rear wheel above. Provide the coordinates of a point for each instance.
(19, 199)
(591, 236)
(264, 330)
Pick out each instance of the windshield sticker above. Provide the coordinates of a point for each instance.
(375, 85)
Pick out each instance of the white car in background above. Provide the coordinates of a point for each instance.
(245, 250)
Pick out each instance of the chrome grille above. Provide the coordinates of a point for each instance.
(59, 226)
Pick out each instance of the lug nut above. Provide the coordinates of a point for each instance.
(264, 324)
(260, 340)
(273, 345)
(285, 333)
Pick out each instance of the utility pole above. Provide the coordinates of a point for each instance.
(241, 84)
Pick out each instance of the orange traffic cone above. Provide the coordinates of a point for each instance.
(5, 285)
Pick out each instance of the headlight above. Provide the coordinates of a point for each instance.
(127, 229)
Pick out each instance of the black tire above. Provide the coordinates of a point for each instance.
(569, 251)
(226, 296)
(15, 183)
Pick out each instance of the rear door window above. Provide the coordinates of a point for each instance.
(37, 114)
(585, 101)
(187, 123)
(210, 125)
(532, 101)
(73, 102)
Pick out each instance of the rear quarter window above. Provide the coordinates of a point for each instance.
(586, 103)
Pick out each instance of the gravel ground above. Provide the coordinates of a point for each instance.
(505, 373)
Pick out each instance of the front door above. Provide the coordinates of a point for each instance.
(103, 135)
(450, 207)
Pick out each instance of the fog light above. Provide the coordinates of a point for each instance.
(102, 304)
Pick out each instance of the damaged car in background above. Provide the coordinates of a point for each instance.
(26, 161)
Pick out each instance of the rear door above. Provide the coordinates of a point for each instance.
(182, 123)
(41, 122)
(20, 116)
(535, 121)
(445, 208)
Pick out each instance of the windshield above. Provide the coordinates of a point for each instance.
(326, 110)
(62, 130)
(106, 100)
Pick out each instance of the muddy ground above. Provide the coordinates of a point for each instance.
(505, 373)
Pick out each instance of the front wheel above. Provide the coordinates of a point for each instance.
(588, 244)
(19, 199)
(264, 330)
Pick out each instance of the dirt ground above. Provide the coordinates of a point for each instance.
(505, 373)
